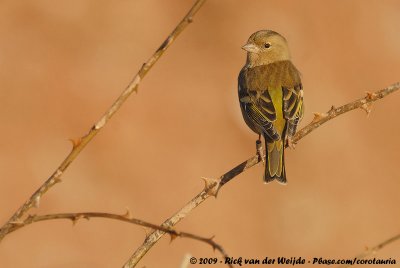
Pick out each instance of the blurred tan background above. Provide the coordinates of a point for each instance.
(64, 62)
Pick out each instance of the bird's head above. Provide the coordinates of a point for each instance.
(266, 46)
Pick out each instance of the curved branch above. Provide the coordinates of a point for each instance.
(374, 250)
(75, 217)
(213, 185)
(80, 143)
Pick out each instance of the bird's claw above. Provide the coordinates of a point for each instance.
(289, 143)
(259, 150)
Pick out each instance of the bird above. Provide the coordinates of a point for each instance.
(271, 98)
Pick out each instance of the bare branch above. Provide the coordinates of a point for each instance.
(80, 143)
(209, 190)
(75, 217)
(363, 103)
(374, 250)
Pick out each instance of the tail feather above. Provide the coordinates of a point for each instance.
(275, 162)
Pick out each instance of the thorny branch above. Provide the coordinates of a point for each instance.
(127, 217)
(374, 250)
(80, 143)
(212, 186)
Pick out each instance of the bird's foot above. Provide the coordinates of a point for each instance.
(259, 150)
(289, 143)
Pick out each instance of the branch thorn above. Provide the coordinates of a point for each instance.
(77, 218)
(172, 236)
(318, 117)
(57, 176)
(370, 95)
(128, 214)
(211, 239)
(136, 80)
(147, 231)
(367, 107)
(332, 110)
(75, 142)
(211, 186)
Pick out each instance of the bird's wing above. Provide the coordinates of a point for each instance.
(258, 107)
(293, 107)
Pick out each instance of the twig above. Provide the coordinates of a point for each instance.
(75, 217)
(80, 143)
(374, 250)
(363, 103)
(213, 185)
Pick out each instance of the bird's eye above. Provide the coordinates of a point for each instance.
(267, 45)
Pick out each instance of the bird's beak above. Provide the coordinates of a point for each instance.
(251, 48)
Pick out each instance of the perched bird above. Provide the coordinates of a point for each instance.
(271, 97)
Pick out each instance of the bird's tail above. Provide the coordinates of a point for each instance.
(275, 162)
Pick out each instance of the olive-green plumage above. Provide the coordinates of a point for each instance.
(271, 97)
